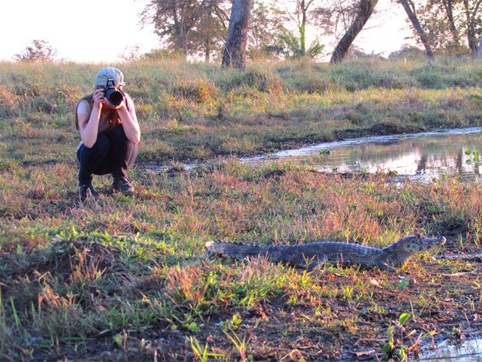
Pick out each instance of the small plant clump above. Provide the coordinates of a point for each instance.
(473, 156)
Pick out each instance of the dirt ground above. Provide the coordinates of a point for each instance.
(441, 295)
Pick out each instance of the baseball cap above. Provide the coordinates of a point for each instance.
(109, 73)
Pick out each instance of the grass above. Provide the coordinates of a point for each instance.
(127, 279)
(198, 111)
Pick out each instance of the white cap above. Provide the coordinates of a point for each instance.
(109, 73)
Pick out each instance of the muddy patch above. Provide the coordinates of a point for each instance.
(379, 129)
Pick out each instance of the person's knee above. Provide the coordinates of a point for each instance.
(102, 145)
(132, 151)
(100, 148)
(117, 134)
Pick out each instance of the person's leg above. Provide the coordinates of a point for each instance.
(121, 156)
(122, 152)
(92, 161)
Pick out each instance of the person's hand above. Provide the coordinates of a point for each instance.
(122, 105)
(99, 97)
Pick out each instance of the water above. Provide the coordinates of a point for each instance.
(469, 351)
(429, 154)
(420, 155)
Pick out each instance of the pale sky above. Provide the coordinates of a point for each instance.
(387, 30)
(80, 31)
(84, 31)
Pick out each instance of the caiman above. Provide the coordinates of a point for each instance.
(312, 254)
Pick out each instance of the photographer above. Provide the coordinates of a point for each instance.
(109, 131)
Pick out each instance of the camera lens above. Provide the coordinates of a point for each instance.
(114, 96)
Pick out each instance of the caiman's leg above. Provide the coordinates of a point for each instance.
(301, 260)
(315, 261)
(385, 266)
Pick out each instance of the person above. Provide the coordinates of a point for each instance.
(109, 133)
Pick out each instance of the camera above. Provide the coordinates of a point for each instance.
(114, 96)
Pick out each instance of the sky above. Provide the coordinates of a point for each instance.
(86, 31)
(80, 31)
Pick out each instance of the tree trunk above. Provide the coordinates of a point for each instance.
(479, 50)
(235, 49)
(184, 42)
(448, 5)
(472, 20)
(364, 13)
(416, 24)
(471, 37)
(302, 28)
(302, 40)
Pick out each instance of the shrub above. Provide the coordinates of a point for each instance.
(199, 91)
(261, 80)
(38, 51)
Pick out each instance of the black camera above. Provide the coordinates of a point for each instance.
(114, 96)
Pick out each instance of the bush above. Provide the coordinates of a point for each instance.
(261, 80)
(38, 51)
(199, 91)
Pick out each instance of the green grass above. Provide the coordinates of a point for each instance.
(127, 279)
(198, 111)
(73, 275)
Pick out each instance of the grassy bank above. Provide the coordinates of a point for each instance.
(198, 111)
(126, 278)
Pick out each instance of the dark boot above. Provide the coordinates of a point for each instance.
(123, 185)
(85, 190)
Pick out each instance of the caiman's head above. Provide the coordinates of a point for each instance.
(399, 252)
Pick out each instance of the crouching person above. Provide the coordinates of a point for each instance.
(109, 133)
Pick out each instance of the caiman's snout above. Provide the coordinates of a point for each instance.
(209, 244)
(431, 243)
(436, 241)
(416, 243)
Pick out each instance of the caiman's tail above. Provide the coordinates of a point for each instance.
(233, 250)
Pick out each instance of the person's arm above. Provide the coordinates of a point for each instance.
(129, 120)
(89, 123)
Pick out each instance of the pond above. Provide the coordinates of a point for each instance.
(424, 155)
(469, 351)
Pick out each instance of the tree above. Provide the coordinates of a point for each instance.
(264, 28)
(301, 18)
(409, 7)
(446, 22)
(268, 34)
(296, 46)
(364, 12)
(288, 45)
(191, 26)
(38, 51)
(235, 49)
(336, 16)
(437, 19)
(471, 35)
(448, 7)
(473, 21)
(210, 33)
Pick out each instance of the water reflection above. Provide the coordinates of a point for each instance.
(430, 154)
(422, 156)
(469, 351)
